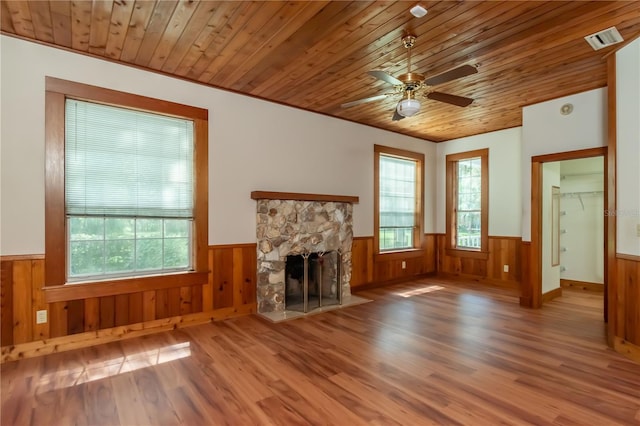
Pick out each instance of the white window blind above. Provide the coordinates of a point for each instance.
(397, 202)
(129, 184)
(121, 162)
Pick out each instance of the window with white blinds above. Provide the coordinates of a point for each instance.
(129, 185)
(397, 202)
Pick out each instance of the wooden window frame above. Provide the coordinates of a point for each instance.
(419, 207)
(451, 204)
(56, 287)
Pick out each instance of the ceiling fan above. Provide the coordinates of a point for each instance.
(411, 84)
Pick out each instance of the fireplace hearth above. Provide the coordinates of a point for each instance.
(288, 230)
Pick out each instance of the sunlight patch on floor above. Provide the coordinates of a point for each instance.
(96, 371)
(420, 290)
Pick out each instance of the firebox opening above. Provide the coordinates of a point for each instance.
(323, 287)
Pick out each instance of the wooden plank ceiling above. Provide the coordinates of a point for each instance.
(315, 54)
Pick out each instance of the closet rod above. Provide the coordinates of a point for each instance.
(566, 175)
(577, 193)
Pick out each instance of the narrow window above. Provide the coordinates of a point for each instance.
(398, 207)
(467, 195)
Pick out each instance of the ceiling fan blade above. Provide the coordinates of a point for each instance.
(396, 116)
(363, 101)
(460, 101)
(381, 75)
(459, 72)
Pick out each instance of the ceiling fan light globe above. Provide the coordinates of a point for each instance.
(408, 107)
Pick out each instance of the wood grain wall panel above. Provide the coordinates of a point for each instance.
(121, 314)
(361, 267)
(135, 308)
(149, 305)
(22, 283)
(22, 303)
(91, 314)
(476, 267)
(207, 289)
(58, 319)
(430, 253)
(173, 301)
(6, 302)
(23, 293)
(196, 299)
(526, 297)
(185, 300)
(502, 251)
(248, 278)
(629, 297)
(162, 303)
(383, 271)
(222, 271)
(107, 311)
(369, 269)
(40, 331)
(75, 316)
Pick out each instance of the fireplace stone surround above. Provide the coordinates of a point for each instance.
(294, 224)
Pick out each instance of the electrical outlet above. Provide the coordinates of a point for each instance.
(41, 317)
(638, 229)
(505, 268)
(404, 265)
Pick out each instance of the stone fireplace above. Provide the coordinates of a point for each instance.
(293, 226)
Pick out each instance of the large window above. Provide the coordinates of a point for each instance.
(398, 177)
(128, 191)
(125, 190)
(467, 195)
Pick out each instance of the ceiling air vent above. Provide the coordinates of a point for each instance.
(604, 38)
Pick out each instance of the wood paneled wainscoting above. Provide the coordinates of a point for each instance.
(371, 270)
(229, 291)
(502, 251)
(627, 333)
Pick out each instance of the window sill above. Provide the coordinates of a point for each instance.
(473, 254)
(86, 290)
(399, 254)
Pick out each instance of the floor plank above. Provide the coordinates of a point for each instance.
(432, 351)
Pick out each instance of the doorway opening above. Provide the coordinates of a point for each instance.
(568, 227)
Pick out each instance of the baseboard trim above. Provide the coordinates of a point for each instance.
(378, 284)
(582, 285)
(626, 348)
(551, 294)
(92, 338)
(481, 280)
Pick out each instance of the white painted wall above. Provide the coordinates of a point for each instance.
(504, 178)
(628, 148)
(254, 145)
(550, 274)
(546, 131)
(582, 201)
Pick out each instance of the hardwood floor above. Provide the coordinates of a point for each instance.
(432, 351)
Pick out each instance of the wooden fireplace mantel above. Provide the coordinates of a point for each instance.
(268, 195)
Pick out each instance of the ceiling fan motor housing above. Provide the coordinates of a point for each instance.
(411, 80)
(409, 40)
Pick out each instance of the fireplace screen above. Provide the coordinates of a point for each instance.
(312, 281)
